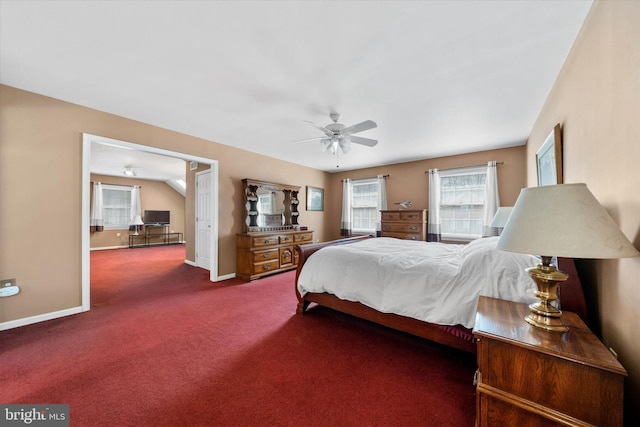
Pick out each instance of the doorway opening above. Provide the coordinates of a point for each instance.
(87, 141)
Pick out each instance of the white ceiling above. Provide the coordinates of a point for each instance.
(108, 159)
(438, 77)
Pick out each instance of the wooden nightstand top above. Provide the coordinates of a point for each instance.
(504, 321)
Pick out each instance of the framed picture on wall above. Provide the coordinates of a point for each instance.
(315, 199)
(549, 159)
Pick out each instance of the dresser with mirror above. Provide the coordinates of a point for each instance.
(270, 229)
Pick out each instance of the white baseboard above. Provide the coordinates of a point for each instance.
(219, 279)
(104, 248)
(39, 318)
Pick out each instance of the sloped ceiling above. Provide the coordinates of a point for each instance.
(438, 77)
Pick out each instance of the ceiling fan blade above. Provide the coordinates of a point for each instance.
(326, 131)
(366, 125)
(316, 138)
(363, 141)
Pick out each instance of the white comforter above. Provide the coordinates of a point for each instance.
(434, 282)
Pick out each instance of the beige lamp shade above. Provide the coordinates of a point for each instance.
(563, 220)
(501, 217)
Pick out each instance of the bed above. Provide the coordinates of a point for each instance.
(425, 289)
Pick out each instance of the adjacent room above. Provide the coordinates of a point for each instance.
(320, 213)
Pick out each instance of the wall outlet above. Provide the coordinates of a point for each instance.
(8, 288)
(8, 282)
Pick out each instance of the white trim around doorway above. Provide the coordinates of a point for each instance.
(87, 139)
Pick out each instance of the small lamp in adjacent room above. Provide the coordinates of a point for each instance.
(136, 223)
(501, 217)
(562, 220)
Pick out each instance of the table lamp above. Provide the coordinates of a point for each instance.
(137, 222)
(562, 220)
(501, 217)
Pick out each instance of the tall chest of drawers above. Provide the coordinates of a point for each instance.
(405, 224)
(260, 254)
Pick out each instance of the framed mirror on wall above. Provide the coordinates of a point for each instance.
(270, 206)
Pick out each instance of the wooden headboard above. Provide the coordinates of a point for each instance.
(571, 294)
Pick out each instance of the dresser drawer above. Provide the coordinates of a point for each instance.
(286, 239)
(286, 256)
(410, 216)
(391, 216)
(265, 241)
(403, 236)
(263, 267)
(401, 227)
(266, 255)
(305, 237)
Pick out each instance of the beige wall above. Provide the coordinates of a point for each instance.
(596, 98)
(154, 195)
(408, 181)
(40, 209)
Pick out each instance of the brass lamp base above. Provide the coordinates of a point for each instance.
(543, 314)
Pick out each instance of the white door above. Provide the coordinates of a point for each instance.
(203, 219)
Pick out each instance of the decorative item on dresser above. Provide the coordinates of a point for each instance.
(270, 229)
(529, 376)
(405, 224)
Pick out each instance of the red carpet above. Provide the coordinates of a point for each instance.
(163, 346)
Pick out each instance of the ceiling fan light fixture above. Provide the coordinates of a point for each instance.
(345, 144)
(340, 137)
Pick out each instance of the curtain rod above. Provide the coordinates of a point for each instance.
(464, 167)
(371, 177)
(117, 185)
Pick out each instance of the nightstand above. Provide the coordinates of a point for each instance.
(531, 377)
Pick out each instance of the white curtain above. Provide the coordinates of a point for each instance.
(135, 218)
(346, 221)
(382, 203)
(97, 220)
(491, 200)
(433, 225)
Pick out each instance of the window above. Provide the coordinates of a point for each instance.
(364, 205)
(462, 203)
(116, 206)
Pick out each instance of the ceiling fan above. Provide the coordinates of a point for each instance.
(338, 135)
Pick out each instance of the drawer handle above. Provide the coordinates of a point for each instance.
(266, 266)
(413, 238)
(268, 241)
(413, 228)
(287, 255)
(267, 255)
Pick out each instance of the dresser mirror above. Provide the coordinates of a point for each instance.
(269, 206)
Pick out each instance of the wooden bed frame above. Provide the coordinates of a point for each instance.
(572, 299)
